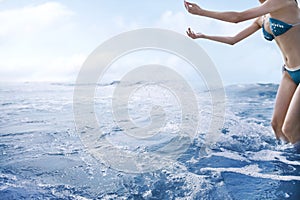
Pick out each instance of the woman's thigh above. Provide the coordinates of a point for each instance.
(291, 124)
(284, 96)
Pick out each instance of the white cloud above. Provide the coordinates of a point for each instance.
(29, 44)
(121, 23)
(31, 19)
(64, 68)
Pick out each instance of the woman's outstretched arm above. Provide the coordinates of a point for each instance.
(228, 40)
(235, 17)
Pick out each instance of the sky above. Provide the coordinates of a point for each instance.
(43, 40)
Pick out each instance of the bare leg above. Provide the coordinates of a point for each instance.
(284, 96)
(291, 126)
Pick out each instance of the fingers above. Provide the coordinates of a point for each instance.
(190, 33)
(194, 35)
(188, 5)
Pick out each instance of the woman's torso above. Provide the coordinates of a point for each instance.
(289, 41)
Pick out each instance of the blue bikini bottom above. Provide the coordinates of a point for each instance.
(294, 74)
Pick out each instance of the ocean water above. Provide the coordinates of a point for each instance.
(42, 156)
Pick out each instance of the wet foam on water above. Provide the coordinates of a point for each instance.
(42, 156)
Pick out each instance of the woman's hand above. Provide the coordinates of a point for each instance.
(193, 35)
(192, 8)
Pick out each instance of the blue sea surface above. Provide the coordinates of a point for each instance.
(42, 156)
